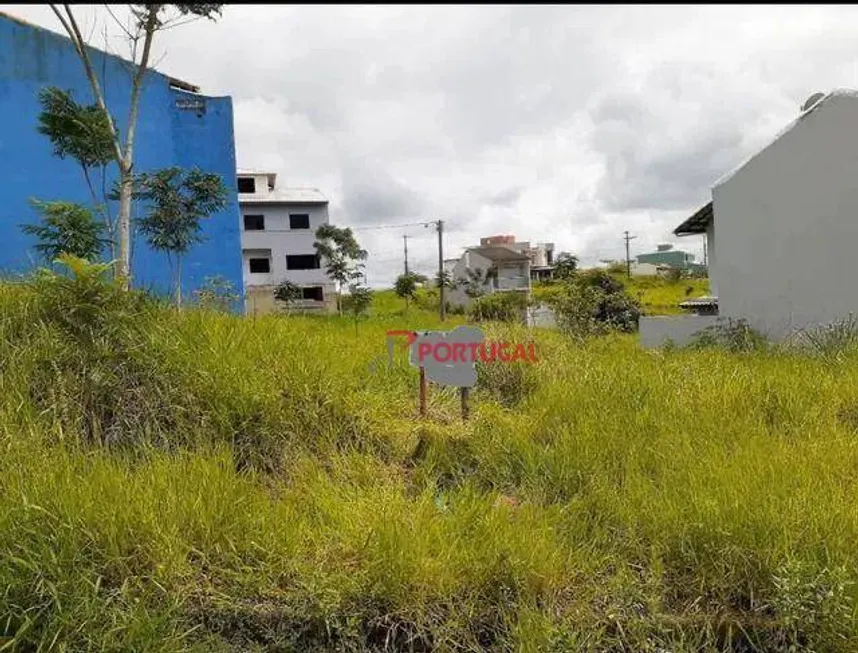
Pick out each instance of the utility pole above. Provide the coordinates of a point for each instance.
(705, 253)
(627, 238)
(441, 279)
(405, 240)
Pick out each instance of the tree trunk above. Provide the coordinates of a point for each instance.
(108, 219)
(123, 228)
(178, 282)
(124, 156)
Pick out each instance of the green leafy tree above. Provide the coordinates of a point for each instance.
(406, 286)
(176, 201)
(80, 133)
(565, 266)
(287, 293)
(445, 278)
(475, 282)
(145, 21)
(594, 302)
(342, 255)
(66, 228)
(358, 302)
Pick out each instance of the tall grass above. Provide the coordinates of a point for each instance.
(267, 485)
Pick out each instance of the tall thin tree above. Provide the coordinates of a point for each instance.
(342, 255)
(176, 201)
(148, 20)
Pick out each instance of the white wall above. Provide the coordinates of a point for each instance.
(281, 240)
(711, 265)
(644, 269)
(787, 226)
(655, 331)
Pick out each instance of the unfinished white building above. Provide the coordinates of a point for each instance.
(277, 235)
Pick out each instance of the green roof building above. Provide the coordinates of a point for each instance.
(666, 255)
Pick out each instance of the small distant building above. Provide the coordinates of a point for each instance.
(503, 264)
(666, 255)
(278, 230)
(541, 255)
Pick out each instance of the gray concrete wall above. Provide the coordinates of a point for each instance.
(656, 330)
(786, 226)
(541, 316)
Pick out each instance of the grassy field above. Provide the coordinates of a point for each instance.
(656, 295)
(196, 481)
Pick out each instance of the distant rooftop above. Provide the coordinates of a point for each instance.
(285, 196)
(272, 176)
(697, 223)
(499, 253)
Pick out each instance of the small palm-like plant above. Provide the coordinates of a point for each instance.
(66, 228)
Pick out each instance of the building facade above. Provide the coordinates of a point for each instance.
(278, 230)
(177, 126)
(781, 229)
(503, 264)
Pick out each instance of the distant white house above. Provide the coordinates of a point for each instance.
(782, 229)
(502, 269)
(277, 235)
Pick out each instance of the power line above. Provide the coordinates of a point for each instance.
(394, 226)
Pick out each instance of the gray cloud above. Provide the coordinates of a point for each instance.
(508, 197)
(568, 124)
(370, 194)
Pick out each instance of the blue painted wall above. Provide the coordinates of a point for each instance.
(174, 128)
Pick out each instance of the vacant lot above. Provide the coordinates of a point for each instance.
(198, 481)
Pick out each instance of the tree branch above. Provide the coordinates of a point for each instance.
(72, 29)
(149, 26)
(119, 22)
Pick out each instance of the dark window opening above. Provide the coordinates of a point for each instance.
(314, 293)
(302, 262)
(260, 266)
(254, 222)
(246, 185)
(299, 221)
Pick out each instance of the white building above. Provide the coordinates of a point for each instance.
(782, 229)
(503, 264)
(278, 232)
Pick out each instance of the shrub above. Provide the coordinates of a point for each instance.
(217, 294)
(499, 306)
(594, 302)
(287, 293)
(93, 372)
(66, 228)
(616, 267)
(733, 335)
(673, 275)
(830, 340)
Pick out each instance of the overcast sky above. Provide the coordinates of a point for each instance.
(561, 124)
